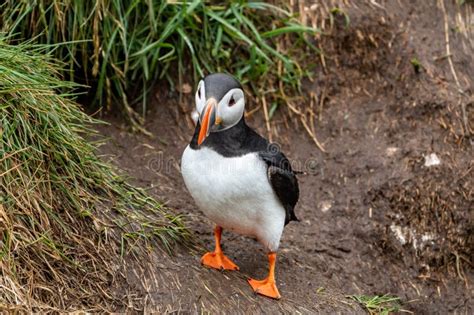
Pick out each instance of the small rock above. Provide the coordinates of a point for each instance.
(325, 205)
(391, 151)
(399, 233)
(432, 160)
(185, 88)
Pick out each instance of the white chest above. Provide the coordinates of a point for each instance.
(233, 192)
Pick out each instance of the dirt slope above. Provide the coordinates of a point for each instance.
(374, 218)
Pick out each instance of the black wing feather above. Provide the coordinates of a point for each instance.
(283, 181)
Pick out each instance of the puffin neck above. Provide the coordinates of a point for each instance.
(228, 142)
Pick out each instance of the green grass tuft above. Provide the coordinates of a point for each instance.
(416, 64)
(121, 48)
(65, 216)
(377, 304)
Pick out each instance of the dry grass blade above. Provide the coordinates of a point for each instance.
(453, 71)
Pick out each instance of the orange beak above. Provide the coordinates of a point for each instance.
(208, 120)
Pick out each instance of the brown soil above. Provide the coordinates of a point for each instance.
(374, 219)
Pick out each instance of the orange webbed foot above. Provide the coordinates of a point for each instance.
(218, 261)
(265, 287)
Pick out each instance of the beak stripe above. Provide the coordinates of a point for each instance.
(204, 132)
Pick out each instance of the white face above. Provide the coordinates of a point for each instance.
(200, 97)
(229, 109)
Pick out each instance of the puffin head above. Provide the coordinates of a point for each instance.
(220, 103)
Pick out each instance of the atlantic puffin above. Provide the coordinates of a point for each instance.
(237, 178)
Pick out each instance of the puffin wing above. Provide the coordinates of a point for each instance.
(283, 181)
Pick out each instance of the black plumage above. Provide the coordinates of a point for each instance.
(283, 181)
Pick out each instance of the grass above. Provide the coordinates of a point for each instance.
(121, 48)
(66, 217)
(416, 64)
(383, 305)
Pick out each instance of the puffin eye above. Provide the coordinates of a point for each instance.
(199, 92)
(231, 101)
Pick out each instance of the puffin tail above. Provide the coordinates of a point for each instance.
(290, 215)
